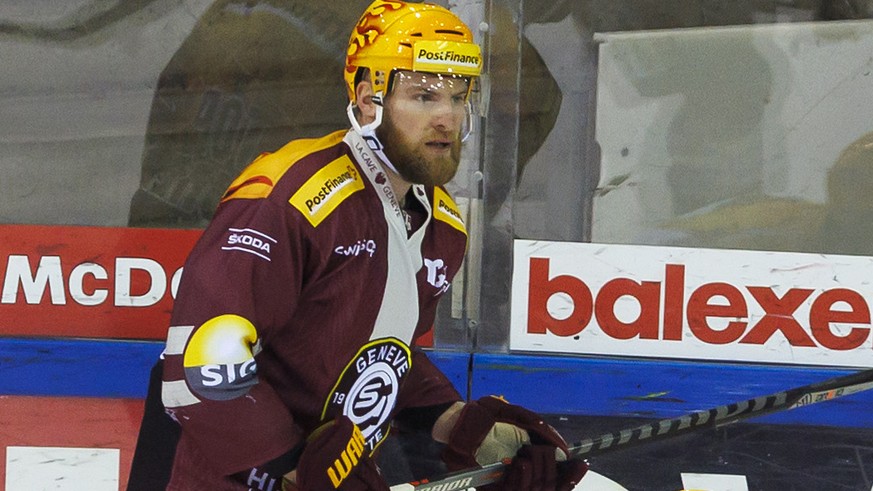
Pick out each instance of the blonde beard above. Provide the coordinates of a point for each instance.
(410, 162)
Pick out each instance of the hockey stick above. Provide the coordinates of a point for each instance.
(668, 428)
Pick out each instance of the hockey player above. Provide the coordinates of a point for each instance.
(290, 352)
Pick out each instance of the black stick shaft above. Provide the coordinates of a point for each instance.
(729, 413)
(667, 428)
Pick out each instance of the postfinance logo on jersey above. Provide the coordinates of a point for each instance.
(446, 210)
(326, 189)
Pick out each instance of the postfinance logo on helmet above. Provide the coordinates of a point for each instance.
(447, 57)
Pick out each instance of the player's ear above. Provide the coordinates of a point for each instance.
(365, 104)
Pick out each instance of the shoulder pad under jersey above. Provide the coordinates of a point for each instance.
(260, 177)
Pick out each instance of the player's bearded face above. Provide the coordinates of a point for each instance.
(421, 126)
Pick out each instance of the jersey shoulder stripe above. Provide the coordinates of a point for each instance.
(446, 210)
(260, 177)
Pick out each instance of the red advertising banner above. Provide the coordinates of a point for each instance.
(99, 282)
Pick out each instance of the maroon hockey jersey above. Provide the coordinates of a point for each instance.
(301, 301)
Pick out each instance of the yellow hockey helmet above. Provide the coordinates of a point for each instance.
(394, 35)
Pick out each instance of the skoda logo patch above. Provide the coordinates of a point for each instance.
(367, 389)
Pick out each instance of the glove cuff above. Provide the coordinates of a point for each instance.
(473, 425)
(476, 421)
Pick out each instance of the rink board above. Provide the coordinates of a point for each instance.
(89, 439)
(582, 386)
(657, 389)
(73, 406)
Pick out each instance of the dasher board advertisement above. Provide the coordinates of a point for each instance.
(707, 304)
(90, 282)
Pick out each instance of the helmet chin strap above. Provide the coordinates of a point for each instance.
(368, 132)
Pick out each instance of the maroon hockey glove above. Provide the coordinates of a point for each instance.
(535, 468)
(489, 430)
(336, 457)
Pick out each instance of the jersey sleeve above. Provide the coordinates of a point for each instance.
(239, 286)
(426, 386)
